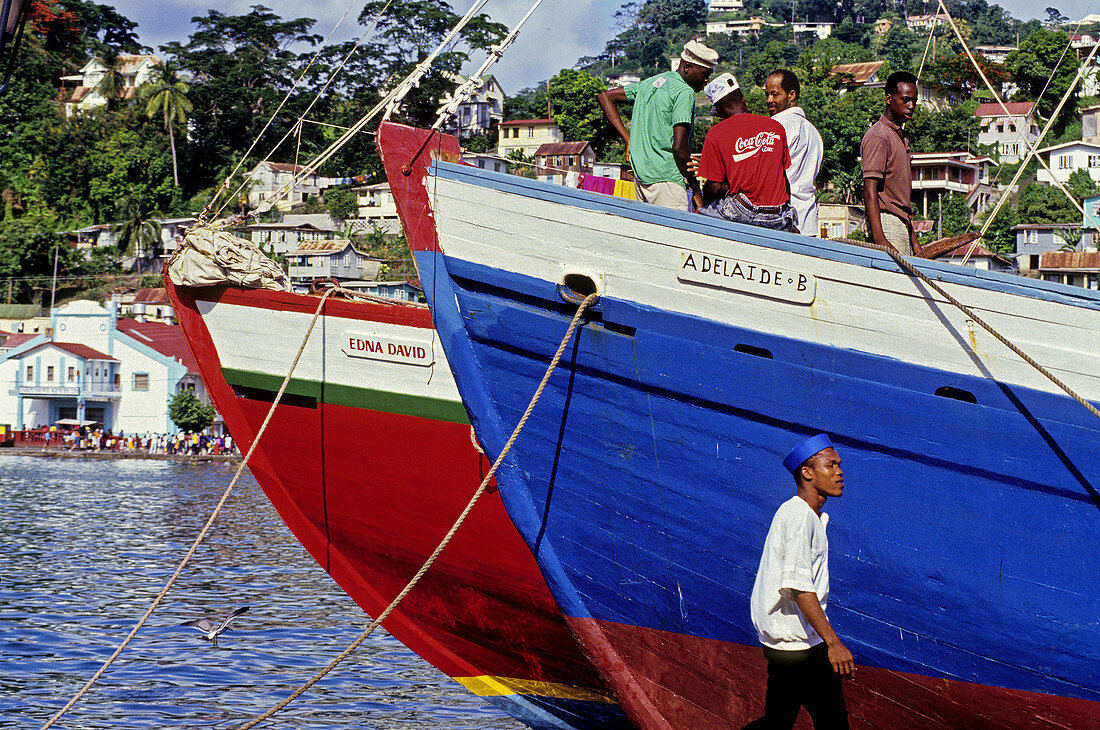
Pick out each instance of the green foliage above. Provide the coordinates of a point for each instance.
(955, 219)
(394, 252)
(653, 31)
(953, 130)
(1081, 184)
(1000, 237)
(577, 111)
(1044, 204)
(1032, 67)
(818, 61)
(842, 122)
(189, 413)
(341, 203)
(27, 247)
(479, 143)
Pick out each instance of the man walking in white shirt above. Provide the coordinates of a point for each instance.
(781, 92)
(806, 659)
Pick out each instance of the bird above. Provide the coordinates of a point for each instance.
(211, 630)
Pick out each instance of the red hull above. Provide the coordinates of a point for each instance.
(370, 494)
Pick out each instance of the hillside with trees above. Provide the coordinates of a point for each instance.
(161, 150)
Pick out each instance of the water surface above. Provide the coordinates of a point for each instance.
(85, 545)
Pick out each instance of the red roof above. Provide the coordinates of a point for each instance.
(285, 167)
(1070, 260)
(561, 148)
(527, 121)
(980, 252)
(19, 338)
(167, 339)
(152, 296)
(82, 351)
(860, 72)
(1015, 108)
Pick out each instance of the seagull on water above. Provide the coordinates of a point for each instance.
(211, 630)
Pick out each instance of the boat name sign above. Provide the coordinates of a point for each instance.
(728, 273)
(376, 347)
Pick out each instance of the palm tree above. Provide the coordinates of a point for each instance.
(113, 84)
(165, 93)
(137, 233)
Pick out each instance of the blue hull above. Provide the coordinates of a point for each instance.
(963, 553)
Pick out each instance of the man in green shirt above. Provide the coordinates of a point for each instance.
(664, 111)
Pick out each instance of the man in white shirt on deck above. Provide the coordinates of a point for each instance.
(782, 92)
(806, 659)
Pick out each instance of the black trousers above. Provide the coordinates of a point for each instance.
(803, 678)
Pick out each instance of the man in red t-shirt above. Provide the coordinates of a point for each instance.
(744, 160)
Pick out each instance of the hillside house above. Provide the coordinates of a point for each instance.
(135, 70)
(725, 6)
(1066, 158)
(856, 75)
(1076, 268)
(822, 30)
(480, 111)
(526, 135)
(740, 27)
(936, 174)
(554, 161)
(1035, 239)
(282, 238)
(485, 161)
(271, 181)
(1011, 133)
(977, 257)
(377, 210)
(919, 23)
(838, 220)
(333, 259)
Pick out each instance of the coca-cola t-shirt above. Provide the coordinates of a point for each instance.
(750, 153)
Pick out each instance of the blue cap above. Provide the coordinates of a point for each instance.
(805, 449)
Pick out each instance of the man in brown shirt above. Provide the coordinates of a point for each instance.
(887, 184)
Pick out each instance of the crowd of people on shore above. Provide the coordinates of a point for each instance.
(182, 443)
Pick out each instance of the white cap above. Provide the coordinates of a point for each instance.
(699, 54)
(719, 87)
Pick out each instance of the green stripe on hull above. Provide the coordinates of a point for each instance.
(436, 409)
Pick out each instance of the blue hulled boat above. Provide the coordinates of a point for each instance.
(965, 568)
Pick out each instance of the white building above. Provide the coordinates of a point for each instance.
(526, 135)
(486, 161)
(92, 366)
(1011, 133)
(377, 210)
(741, 27)
(336, 259)
(135, 70)
(1063, 159)
(821, 30)
(725, 6)
(272, 181)
(478, 114)
(924, 22)
(282, 238)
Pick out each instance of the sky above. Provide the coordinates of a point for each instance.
(560, 32)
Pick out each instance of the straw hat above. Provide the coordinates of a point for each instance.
(699, 54)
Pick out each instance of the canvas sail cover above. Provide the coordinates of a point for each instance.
(210, 256)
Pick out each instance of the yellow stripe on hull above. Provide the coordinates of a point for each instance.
(488, 686)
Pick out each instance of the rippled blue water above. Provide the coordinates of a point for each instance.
(84, 547)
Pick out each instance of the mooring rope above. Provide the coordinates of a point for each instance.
(914, 271)
(206, 527)
(450, 533)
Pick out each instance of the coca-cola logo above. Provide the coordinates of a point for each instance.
(761, 140)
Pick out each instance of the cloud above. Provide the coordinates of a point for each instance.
(560, 31)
